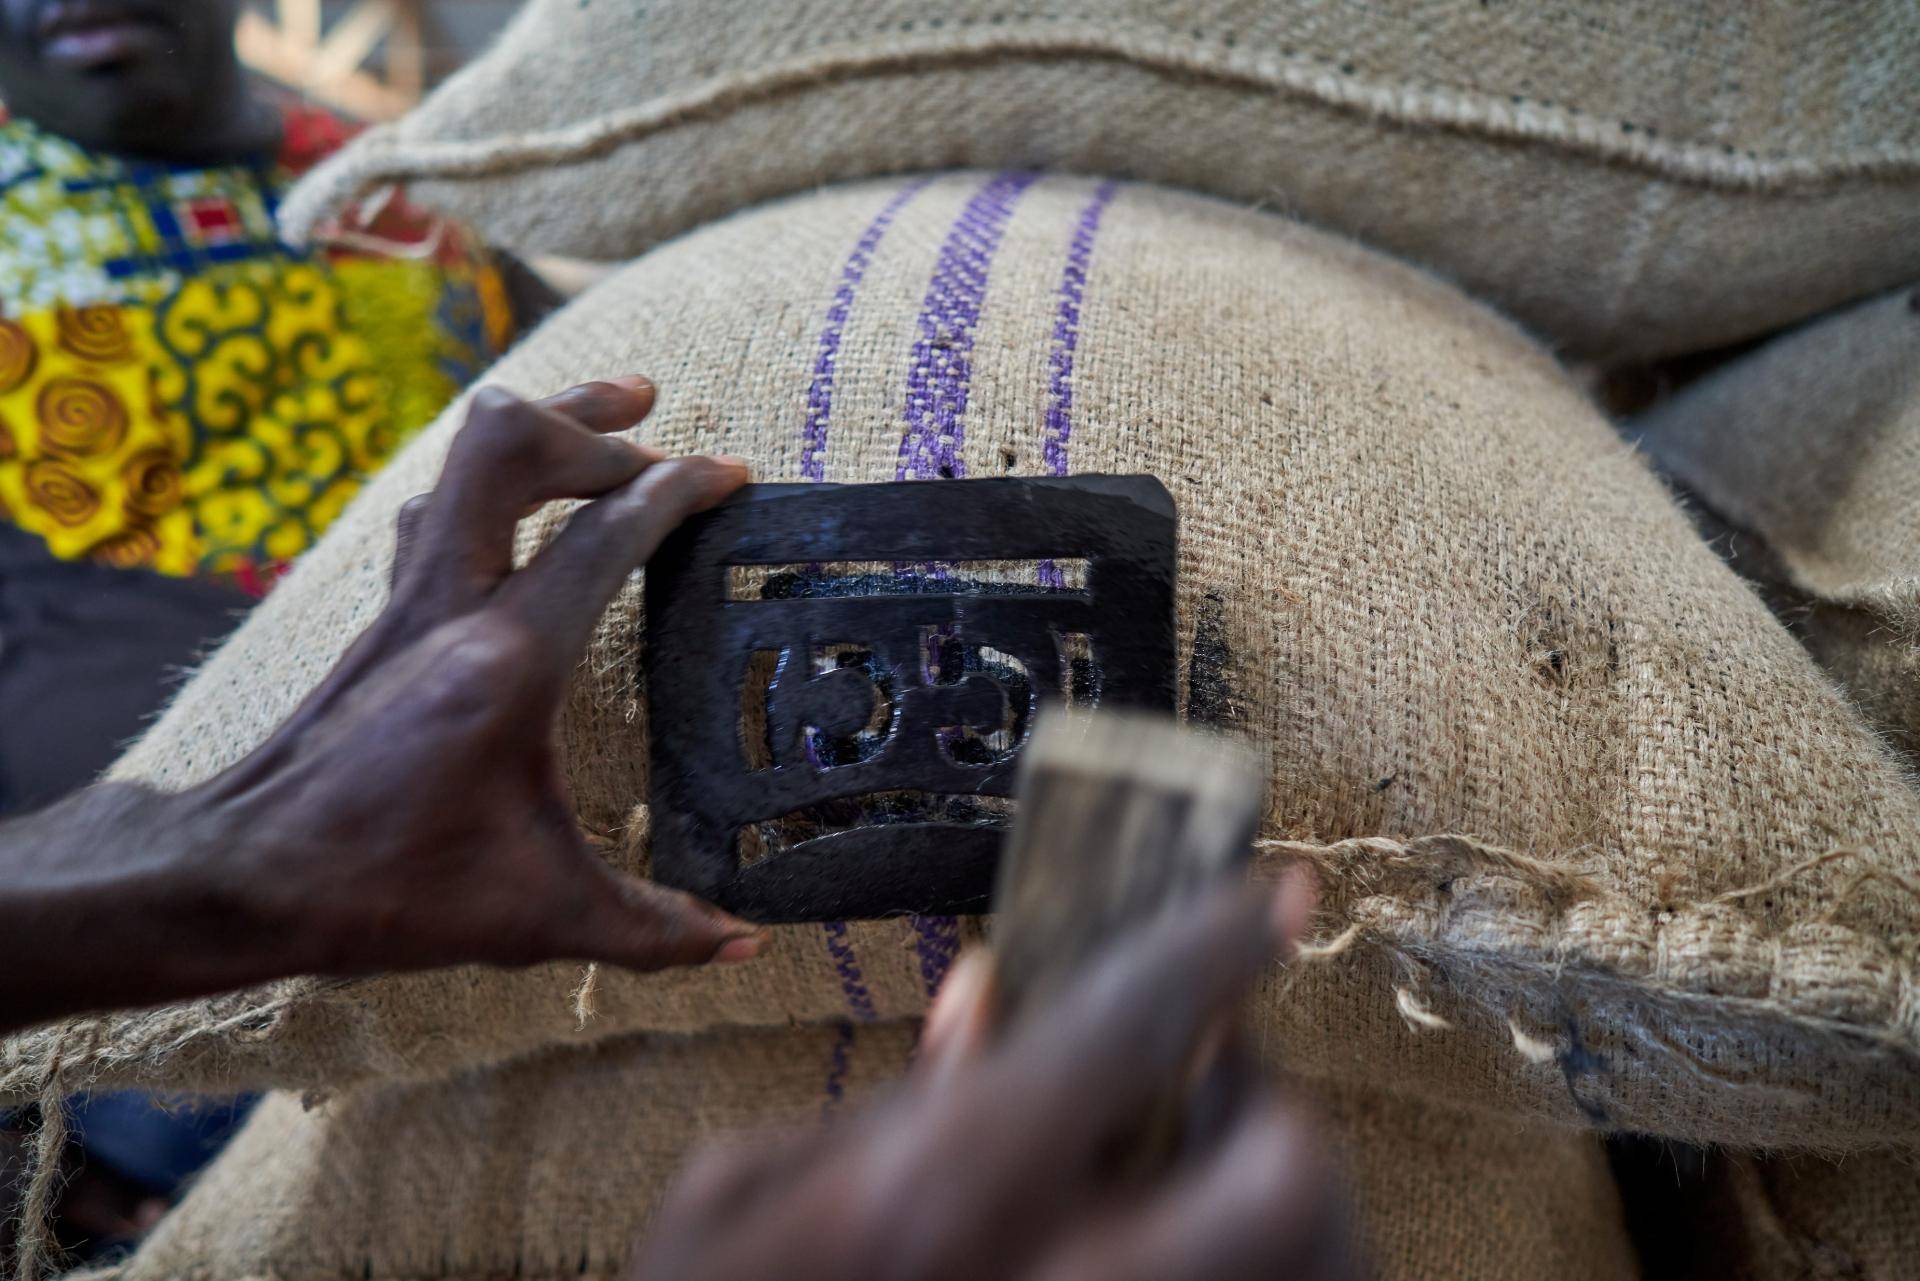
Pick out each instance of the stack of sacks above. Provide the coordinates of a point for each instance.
(1426, 577)
(1630, 180)
(1601, 846)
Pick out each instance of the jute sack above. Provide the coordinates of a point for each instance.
(1627, 180)
(1591, 824)
(549, 1168)
(1811, 446)
(1807, 1219)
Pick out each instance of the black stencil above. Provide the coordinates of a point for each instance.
(838, 691)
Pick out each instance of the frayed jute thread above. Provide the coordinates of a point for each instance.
(1864, 878)
(1861, 879)
(1416, 1012)
(384, 158)
(1532, 1048)
(1787, 876)
(35, 1249)
(1365, 860)
(1326, 951)
(585, 997)
(33, 1242)
(66, 1074)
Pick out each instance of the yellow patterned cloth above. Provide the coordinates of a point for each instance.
(181, 391)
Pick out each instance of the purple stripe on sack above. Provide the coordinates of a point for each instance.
(838, 1062)
(813, 448)
(854, 988)
(853, 984)
(1066, 329)
(1066, 337)
(938, 942)
(941, 368)
(813, 441)
(939, 375)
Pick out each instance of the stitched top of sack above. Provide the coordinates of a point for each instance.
(1778, 100)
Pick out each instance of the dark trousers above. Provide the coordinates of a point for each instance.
(88, 654)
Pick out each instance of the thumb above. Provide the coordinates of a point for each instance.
(643, 926)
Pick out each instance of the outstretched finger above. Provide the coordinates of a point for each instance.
(1260, 1206)
(406, 536)
(510, 456)
(613, 404)
(638, 925)
(566, 588)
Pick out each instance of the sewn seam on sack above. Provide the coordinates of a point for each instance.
(383, 155)
(1538, 917)
(1409, 895)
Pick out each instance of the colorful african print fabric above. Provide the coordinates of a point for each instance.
(178, 389)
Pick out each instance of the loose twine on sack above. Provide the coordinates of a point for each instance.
(35, 1248)
(1861, 879)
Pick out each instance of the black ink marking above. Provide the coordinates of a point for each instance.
(1210, 699)
(1577, 1062)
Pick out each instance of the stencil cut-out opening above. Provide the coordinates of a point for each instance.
(834, 745)
(1079, 672)
(756, 743)
(757, 841)
(886, 578)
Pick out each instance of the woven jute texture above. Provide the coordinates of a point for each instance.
(1599, 843)
(549, 1168)
(1810, 446)
(1806, 1219)
(1628, 179)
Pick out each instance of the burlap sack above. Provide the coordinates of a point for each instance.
(550, 1167)
(1809, 447)
(1592, 825)
(1806, 1219)
(1628, 180)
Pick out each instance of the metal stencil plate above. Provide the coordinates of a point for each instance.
(840, 678)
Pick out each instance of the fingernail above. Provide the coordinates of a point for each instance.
(734, 951)
(731, 460)
(634, 382)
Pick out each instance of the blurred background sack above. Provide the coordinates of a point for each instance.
(1627, 180)
(1806, 453)
(1794, 1217)
(561, 1159)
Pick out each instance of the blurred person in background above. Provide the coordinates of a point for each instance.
(185, 402)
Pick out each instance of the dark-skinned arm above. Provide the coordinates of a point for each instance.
(411, 812)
